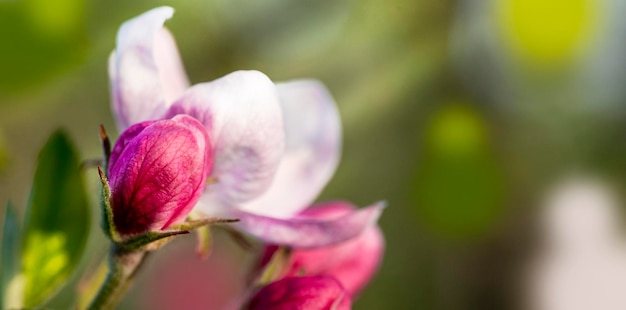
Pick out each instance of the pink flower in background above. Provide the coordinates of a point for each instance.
(311, 293)
(157, 172)
(352, 262)
(177, 280)
(275, 145)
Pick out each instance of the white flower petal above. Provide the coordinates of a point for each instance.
(172, 74)
(304, 233)
(145, 69)
(243, 117)
(312, 150)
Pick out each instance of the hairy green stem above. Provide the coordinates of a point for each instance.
(123, 266)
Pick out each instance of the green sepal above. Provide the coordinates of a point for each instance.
(202, 228)
(106, 147)
(108, 226)
(204, 242)
(203, 231)
(238, 237)
(153, 240)
(149, 241)
(274, 268)
(197, 223)
(10, 255)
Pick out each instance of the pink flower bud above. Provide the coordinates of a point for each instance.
(352, 262)
(311, 293)
(157, 172)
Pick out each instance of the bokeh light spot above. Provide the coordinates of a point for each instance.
(456, 130)
(547, 33)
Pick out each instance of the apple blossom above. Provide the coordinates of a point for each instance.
(275, 145)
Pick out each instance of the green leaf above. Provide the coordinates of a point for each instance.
(10, 257)
(57, 221)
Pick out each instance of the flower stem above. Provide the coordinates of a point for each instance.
(123, 266)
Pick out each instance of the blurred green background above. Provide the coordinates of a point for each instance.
(458, 113)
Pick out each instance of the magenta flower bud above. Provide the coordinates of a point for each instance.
(311, 293)
(157, 172)
(352, 262)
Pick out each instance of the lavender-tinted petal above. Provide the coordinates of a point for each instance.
(312, 149)
(306, 232)
(145, 70)
(243, 117)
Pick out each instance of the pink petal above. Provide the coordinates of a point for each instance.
(312, 150)
(145, 69)
(352, 262)
(157, 173)
(242, 114)
(308, 232)
(311, 293)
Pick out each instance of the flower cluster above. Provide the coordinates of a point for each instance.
(348, 265)
(238, 147)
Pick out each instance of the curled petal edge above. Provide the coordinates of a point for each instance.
(145, 69)
(305, 233)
